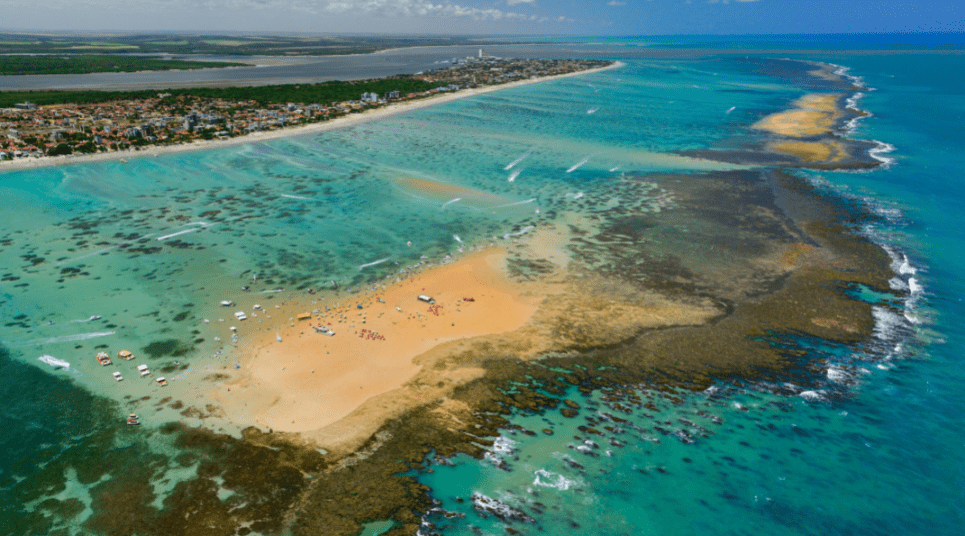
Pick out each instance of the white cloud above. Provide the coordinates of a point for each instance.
(514, 2)
(420, 8)
(615, 3)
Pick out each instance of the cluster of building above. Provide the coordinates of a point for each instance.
(28, 130)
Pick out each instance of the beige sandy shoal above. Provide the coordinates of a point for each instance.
(309, 381)
(340, 122)
(812, 151)
(813, 115)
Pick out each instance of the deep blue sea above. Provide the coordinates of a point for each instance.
(876, 447)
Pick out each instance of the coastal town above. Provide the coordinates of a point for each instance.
(28, 130)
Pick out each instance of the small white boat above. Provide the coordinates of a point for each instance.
(103, 358)
(226, 303)
(240, 315)
(143, 370)
(117, 376)
(161, 381)
(427, 299)
(256, 307)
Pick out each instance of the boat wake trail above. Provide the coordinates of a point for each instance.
(451, 201)
(522, 231)
(515, 174)
(54, 362)
(66, 338)
(515, 204)
(296, 197)
(578, 165)
(518, 160)
(373, 263)
(198, 226)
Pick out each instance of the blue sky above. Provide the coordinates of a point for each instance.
(580, 17)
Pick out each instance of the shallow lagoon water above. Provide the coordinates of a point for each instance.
(871, 451)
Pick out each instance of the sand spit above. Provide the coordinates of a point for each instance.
(337, 123)
(810, 133)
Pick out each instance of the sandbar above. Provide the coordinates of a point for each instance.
(308, 380)
(816, 114)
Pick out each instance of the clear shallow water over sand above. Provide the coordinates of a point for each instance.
(302, 212)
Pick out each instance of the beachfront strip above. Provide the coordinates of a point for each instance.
(30, 131)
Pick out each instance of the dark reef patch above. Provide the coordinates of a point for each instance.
(167, 348)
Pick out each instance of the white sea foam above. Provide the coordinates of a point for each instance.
(887, 323)
(457, 238)
(882, 148)
(503, 445)
(812, 396)
(500, 509)
(591, 111)
(837, 374)
(578, 165)
(548, 479)
(373, 263)
(914, 287)
(614, 169)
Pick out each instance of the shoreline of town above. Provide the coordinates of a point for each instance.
(369, 115)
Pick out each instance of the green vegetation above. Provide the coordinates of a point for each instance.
(324, 93)
(88, 63)
(244, 44)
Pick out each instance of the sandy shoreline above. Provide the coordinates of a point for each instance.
(337, 123)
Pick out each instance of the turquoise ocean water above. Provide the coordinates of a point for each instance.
(872, 445)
